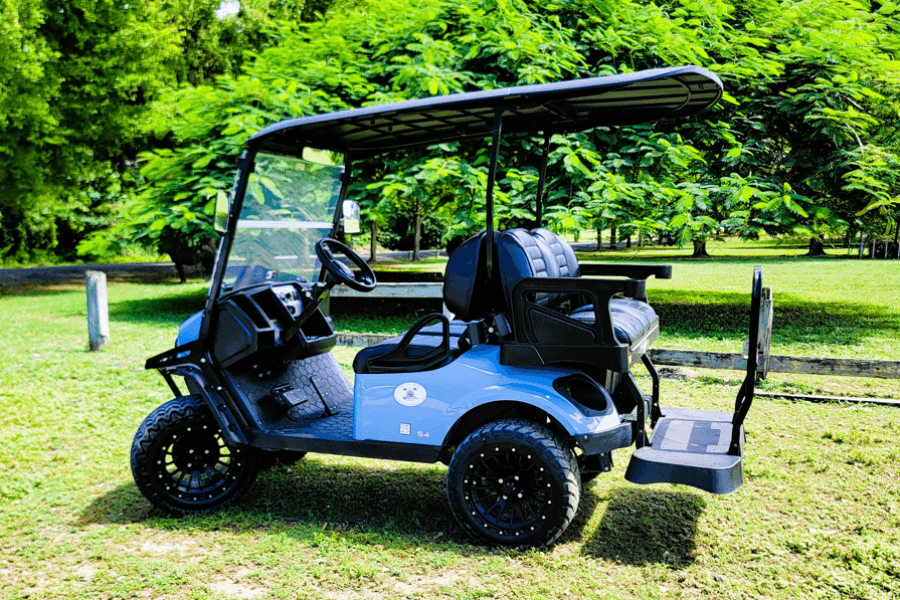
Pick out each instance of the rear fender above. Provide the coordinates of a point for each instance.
(424, 407)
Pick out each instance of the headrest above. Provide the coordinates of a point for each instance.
(566, 261)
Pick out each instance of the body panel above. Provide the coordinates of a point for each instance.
(422, 407)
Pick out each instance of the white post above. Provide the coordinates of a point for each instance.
(97, 309)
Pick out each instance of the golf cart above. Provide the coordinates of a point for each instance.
(525, 394)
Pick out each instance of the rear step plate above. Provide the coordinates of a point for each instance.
(689, 447)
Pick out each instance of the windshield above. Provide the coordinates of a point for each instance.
(288, 207)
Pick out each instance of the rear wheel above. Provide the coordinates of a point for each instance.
(182, 463)
(513, 482)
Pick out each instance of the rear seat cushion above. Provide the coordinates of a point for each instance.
(632, 319)
(427, 340)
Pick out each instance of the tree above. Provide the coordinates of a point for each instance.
(76, 81)
(775, 156)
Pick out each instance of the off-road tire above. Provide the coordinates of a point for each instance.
(182, 463)
(513, 483)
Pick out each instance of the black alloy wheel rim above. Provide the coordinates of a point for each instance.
(507, 490)
(195, 465)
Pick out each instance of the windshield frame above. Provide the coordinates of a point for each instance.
(245, 167)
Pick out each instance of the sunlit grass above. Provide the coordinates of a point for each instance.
(818, 514)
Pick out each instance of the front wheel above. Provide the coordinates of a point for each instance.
(513, 482)
(182, 463)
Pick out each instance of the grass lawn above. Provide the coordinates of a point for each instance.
(817, 517)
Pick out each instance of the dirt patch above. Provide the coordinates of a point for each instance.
(234, 587)
(433, 583)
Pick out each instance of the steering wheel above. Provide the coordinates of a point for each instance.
(326, 248)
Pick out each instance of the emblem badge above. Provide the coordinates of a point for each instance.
(410, 394)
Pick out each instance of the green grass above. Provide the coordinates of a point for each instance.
(817, 517)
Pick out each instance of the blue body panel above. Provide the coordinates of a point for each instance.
(437, 399)
(189, 330)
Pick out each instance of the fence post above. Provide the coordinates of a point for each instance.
(97, 309)
(765, 332)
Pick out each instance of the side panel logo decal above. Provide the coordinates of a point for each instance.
(410, 394)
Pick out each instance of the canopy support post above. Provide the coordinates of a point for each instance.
(539, 204)
(489, 197)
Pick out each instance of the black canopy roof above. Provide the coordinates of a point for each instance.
(560, 107)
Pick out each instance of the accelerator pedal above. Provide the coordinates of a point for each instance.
(690, 447)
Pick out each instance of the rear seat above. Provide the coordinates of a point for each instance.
(548, 255)
(539, 253)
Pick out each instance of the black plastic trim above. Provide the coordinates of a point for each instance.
(605, 351)
(602, 442)
(632, 271)
(286, 440)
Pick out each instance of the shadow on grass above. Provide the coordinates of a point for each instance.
(174, 307)
(726, 315)
(32, 290)
(407, 504)
(643, 526)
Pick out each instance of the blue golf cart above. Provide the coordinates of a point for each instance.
(525, 394)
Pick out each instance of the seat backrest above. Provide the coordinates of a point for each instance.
(466, 291)
(521, 255)
(567, 263)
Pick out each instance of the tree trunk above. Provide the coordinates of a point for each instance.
(628, 241)
(897, 236)
(700, 250)
(816, 247)
(613, 242)
(373, 245)
(418, 221)
(599, 239)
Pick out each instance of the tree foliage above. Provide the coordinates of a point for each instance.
(803, 143)
(80, 86)
(75, 79)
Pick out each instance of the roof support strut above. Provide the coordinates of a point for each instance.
(489, 197)
(539, 203)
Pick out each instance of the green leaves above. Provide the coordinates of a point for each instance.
(802, 141)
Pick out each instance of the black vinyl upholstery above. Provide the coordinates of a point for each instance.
(522, 255)
(632, 319)
(467, 292)
(541, 253)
